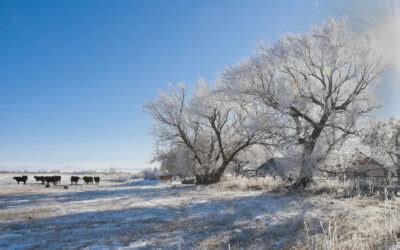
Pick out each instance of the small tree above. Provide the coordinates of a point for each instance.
(319, 82)
(212, 129)
(175, 160)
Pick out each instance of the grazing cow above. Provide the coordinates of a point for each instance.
(39, 178)
(19, 179)
(42, 179)
(74, 179)
(51, 179)
(57, 178)
(166, 177)
(88, 179)
(97, 180)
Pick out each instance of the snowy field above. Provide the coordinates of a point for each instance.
(135, 214)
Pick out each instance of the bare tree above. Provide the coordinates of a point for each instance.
(319, 82)
(383, 140)
(212, 129)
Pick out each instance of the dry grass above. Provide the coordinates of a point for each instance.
(377, 229)
(249, 184)
(352, 215)
(344, 215)
(353, 188)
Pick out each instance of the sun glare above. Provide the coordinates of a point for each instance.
(381, 20)
(387, 35)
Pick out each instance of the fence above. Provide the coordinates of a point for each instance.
(376, 180)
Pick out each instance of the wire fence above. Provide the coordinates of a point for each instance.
(378, 180)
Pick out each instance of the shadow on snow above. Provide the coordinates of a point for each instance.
(262, 216)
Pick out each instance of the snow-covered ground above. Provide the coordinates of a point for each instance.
(146, 214)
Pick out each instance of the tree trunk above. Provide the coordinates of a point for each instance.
(307, 164)
(213, 177)
(207, 179)
(306, 174)
(398, 173)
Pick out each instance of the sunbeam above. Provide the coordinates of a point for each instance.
(381, 21)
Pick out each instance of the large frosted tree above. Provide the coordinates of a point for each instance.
(211, 128)
(320, 82)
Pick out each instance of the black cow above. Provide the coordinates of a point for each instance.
(74, 179)
(19, 179)
(97, 180)
(51, 179)
(88, 179)
(57, 178)
(39, 178)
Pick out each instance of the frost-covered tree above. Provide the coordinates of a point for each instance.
(175, 160)
(213, 129)
(320, 82)
(383, 140)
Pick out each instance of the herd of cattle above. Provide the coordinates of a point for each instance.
(56, 179)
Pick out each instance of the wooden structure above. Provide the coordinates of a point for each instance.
(364, 166)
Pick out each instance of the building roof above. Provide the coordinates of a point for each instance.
(364, 163)
(362, 159)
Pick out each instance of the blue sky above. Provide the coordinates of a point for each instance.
(74, 75)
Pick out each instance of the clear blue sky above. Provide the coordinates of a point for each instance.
(74, 75)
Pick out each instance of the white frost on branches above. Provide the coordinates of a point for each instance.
(213, 129)
(320, 82)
